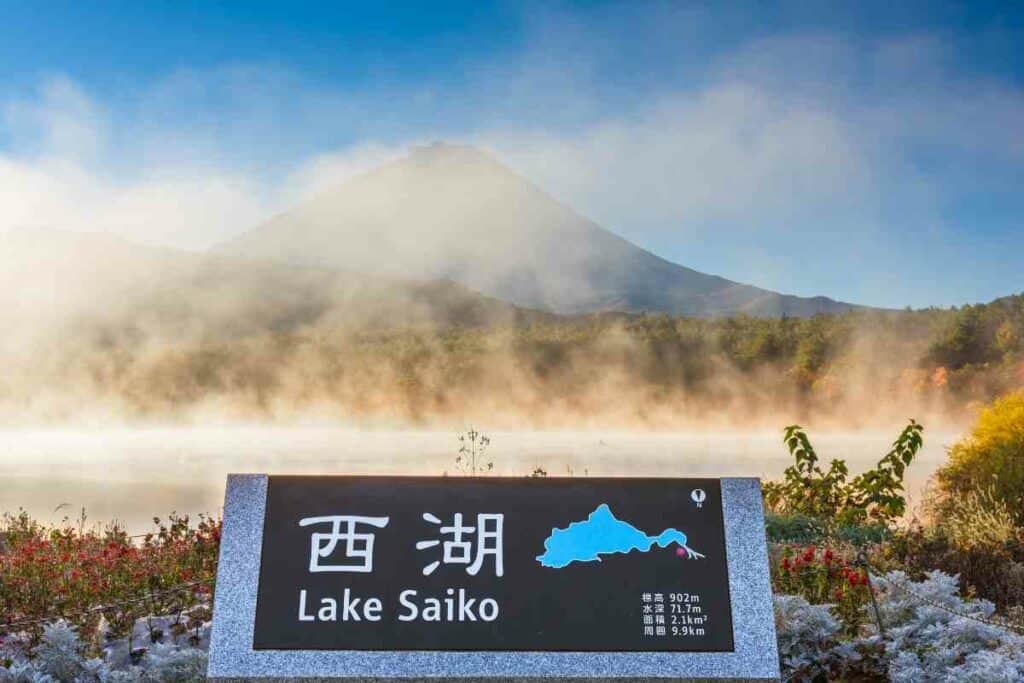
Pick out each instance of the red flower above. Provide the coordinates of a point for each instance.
(855, 578)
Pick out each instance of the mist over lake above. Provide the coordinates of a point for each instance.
(132, 475)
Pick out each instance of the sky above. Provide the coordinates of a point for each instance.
(870, 152)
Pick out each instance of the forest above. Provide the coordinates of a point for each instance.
(525, 368)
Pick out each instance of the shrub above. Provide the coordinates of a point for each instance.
(805, 530)
(873, 498)
(991, 456)
(802, 529)
(979, 519)
(102, 580)
(991, 571)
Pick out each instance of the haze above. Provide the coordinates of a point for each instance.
(231, 239)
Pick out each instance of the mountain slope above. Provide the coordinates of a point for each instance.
(98, 283)
(451, 211)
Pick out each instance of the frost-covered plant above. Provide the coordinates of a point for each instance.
(925, 638)
(169, 664)
(807, 635)
(932, 643)
(60, 653)
(23, 672)
(59, 659)
(811, 646)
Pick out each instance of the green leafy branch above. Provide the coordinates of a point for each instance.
(874, 497)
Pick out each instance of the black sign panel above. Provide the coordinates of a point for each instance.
(415, 563)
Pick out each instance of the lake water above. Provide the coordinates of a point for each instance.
(132, 475)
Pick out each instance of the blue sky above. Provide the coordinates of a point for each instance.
(869, 152)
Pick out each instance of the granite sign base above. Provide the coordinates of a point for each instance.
(234, 657)
(492, 679)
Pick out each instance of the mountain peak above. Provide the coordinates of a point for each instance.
(462, 163)
(441, 151)
(451, 210)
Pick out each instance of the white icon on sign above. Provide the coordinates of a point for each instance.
(699, 496)
(458, 550)
(358, 546)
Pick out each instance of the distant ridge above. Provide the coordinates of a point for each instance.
(450, 211)
(100, 283)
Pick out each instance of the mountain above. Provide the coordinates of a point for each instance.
(448, 211)
(93, 283)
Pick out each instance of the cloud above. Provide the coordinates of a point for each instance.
(781, 130)
(749, 158)
(321, 172)
(63, 122)
(187, 211)
(63, 171)
(730, 152)
(723, 152)
(187, 165)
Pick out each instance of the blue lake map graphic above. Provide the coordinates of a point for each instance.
(604, 534)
